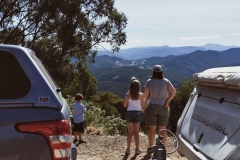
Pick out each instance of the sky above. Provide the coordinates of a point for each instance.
(180, 22)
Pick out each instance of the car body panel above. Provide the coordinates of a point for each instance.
(42, 102)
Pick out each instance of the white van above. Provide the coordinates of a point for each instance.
(209, 127)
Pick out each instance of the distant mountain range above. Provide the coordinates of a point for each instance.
(113, 74)
(160, 51)
(217, 47)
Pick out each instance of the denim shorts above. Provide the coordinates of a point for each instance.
(157, 115)
(134, 116)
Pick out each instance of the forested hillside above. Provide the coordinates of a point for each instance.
(113, 74)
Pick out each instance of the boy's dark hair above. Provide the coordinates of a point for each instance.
(78, 97)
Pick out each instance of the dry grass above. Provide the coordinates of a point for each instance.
(103, 147)
(93, 131)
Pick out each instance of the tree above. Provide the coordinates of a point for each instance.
(178, 103)
(110, 103)
(83, 82)
(62, 31)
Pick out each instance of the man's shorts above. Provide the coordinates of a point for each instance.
(78, 127)
(157, 115)
(134, 116)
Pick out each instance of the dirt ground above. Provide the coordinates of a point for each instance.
(113, 148)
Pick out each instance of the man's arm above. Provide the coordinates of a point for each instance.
(172, 92)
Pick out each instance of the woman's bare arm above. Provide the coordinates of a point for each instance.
(144, 99)
(125, 102)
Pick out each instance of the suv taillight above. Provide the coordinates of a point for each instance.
(57, 134)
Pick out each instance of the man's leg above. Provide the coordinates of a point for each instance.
(151, 135)
(163, 133)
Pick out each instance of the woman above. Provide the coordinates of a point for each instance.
(132, 101)
(158, 93)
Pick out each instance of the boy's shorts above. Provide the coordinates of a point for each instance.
(78, 127)
(157, 115)
(134, 116)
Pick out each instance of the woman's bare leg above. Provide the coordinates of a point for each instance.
(129, 135)
(136, 134)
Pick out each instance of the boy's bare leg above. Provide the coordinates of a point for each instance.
(76, 135)
(80, 135)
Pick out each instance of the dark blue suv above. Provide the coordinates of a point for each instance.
(34, 117)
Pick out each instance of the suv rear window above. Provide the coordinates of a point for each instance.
(14, 83)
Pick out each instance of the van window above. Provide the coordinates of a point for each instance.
(14, 83)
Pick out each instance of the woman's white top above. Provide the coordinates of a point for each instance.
(134, 105)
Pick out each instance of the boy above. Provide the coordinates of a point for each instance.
(78, 116)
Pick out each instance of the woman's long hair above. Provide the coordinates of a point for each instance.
(157, 75)
(135, 88)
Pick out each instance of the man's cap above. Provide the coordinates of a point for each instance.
(157, 68)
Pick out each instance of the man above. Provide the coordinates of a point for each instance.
(158, 93)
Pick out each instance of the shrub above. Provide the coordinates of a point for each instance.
(114, 125)
(111, 103)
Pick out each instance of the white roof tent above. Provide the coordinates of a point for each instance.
(228, 77)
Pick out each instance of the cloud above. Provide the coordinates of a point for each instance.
(234, 34)
(198, 38)
(153, 27)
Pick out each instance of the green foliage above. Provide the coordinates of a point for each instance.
(111, 103)
(178, 103)
(94, 117)
(114, 125)
(84, 82)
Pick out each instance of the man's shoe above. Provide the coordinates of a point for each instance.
(150, 150)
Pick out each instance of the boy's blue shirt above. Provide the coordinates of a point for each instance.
(78, 112)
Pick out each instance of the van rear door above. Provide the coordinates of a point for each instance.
(211, 124)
